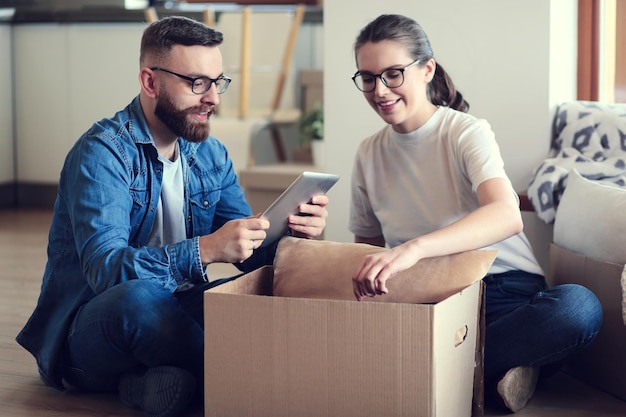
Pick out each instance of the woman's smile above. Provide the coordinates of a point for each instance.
(387, 105)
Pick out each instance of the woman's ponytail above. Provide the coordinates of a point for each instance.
(442, 92)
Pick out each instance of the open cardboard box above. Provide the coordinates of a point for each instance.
(603, 363)
(280, 356)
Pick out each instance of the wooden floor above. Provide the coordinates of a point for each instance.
(23, 237)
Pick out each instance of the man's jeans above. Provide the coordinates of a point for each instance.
(136, 324)
(530, 325)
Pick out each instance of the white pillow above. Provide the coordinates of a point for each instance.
(591, 219)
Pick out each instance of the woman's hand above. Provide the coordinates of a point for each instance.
(371, 277)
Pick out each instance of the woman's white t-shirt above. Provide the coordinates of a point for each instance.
(408, 185)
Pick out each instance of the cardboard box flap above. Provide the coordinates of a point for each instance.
(324, 269)
(258, 283)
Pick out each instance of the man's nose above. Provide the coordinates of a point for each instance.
(211, 95)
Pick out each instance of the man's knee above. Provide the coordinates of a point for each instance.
(134, 302)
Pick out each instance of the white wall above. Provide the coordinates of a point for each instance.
(513, 61)
(6, 107)
(66, 78)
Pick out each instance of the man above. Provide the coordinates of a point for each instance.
(146, 200)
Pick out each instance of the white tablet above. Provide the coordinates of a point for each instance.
(300, 191)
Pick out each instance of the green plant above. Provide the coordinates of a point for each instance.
(312, 125)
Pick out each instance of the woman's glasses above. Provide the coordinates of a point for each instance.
(392, 78)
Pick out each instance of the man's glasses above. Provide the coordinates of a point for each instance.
(201, 85)
(392, 78)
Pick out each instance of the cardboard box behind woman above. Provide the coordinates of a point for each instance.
(603, 363)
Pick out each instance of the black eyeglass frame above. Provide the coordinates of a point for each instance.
(192, 80)
(380, 75)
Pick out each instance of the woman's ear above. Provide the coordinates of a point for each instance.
(430, 66)
(148, 82)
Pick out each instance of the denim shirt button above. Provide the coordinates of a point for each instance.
(205, 203)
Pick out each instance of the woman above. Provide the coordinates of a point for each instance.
(431, 183)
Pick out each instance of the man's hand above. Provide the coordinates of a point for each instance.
(235, 241)
(311, 220)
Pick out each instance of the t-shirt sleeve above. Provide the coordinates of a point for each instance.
(480, 153)
(362, 220)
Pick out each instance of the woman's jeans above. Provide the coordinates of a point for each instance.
(136, 324)
(530, 325)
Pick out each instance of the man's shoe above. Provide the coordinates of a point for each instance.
(517, 386)
(162, 391)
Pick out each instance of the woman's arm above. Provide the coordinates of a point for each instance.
(497, 218)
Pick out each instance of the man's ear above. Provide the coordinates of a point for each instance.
(148, 82)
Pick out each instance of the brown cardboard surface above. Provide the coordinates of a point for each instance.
(257, 283)
(311, 89)
(603, 363)
(275, 356)
(478, 398)
(274, 177)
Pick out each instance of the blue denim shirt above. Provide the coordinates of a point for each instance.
(106, 204)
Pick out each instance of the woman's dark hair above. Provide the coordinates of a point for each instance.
(441, 90)
(162, 35)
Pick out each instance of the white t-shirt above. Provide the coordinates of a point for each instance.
(408, 185)
(169, 223)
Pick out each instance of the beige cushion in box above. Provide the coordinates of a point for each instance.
(323, 269)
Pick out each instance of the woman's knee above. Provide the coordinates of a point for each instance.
(581, 308)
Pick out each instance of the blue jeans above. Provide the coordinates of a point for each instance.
(136, 324)
(528, 324)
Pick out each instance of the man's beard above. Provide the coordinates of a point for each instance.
(177, 120)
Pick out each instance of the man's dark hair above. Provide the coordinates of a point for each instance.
(162, 35)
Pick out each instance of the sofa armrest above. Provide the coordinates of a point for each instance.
(524, 201)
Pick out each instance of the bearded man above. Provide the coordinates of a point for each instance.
(146, 200)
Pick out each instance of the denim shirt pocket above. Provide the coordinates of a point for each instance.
(140, 198)
(140, 195)
(203, 205)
